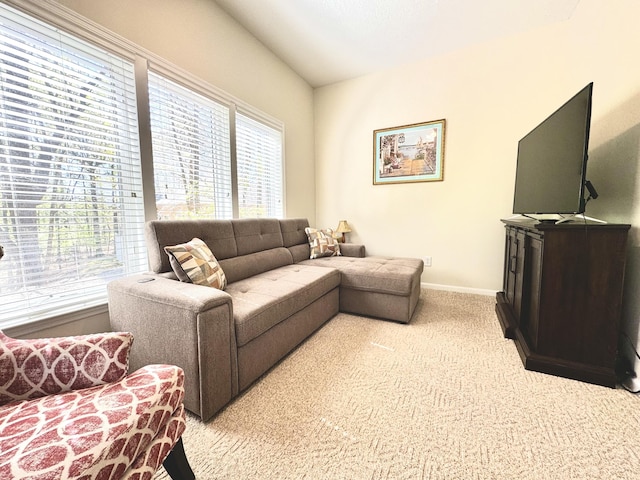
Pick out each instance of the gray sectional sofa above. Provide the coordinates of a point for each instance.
(275, 298)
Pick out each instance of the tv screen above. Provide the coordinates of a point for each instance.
(552, 161)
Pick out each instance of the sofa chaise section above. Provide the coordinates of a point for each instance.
(376, 286)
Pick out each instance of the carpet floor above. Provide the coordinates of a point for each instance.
(444, 397)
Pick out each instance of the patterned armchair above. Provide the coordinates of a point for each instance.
(69, 410)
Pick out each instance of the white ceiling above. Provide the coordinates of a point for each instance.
(326, 41)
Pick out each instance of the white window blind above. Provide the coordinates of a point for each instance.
(259, 167)
(191, 152)
(71, 206)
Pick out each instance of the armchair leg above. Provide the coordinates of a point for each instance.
(177, 465)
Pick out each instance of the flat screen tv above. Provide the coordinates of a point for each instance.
(552, 161)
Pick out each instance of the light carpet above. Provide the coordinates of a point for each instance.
(444, 397)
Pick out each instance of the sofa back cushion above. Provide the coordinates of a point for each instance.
(243, 247)
(295, 238)
(245, 266)
(257, 234)
(217, 234)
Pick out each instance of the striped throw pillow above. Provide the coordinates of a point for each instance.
(193, 262)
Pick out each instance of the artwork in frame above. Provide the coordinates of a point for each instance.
(410, 153)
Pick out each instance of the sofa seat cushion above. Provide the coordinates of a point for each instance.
(99, 432)
(264, 300)
(390, 275)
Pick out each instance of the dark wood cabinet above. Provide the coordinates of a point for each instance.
(562, 296)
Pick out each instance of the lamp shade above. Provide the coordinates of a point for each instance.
(343, 227)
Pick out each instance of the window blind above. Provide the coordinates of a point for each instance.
(191, 152)
(259, 168)
(71, 206)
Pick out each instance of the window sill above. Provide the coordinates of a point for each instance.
(35, 326)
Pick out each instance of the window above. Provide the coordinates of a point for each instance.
(191, 152)
(72, 209)
(259, 164)
(70, 182)
(193, 159)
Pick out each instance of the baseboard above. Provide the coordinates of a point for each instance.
(453, 288)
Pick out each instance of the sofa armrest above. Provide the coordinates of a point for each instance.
(181, 324)
(352, 250)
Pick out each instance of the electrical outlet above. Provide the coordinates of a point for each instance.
(427, 261)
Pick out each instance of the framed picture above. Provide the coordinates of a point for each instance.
(411, 153)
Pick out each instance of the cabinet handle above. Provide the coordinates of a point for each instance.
(513, 264)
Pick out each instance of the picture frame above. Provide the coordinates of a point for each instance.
(409, 153)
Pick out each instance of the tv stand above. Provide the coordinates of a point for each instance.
(562, 296)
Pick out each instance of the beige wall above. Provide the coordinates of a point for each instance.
(491, 95)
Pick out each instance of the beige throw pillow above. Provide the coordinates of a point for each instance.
(322, 243)
(194, 262)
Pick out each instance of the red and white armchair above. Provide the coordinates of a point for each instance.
(69, 410)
